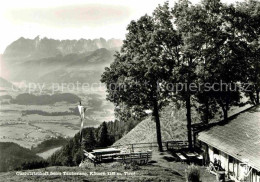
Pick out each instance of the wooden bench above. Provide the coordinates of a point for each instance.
(181, 157)
(90, 157)
(139, 157)
(176, 145)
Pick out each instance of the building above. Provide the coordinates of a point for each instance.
(235, 145)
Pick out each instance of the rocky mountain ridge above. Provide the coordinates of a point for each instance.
(38, 48)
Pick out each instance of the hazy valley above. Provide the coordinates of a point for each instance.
(41, 83)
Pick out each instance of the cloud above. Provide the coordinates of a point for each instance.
(75, 16)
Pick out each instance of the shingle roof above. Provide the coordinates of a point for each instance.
(239, 138)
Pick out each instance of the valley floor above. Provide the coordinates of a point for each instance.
(159, 170)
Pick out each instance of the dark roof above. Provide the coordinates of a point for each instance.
(239, 138)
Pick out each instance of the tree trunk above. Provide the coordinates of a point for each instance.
(188, 106)
(225, 111)
(257, 97)
(188, 115)
(207, 111)
(158, 125)
(252, 98)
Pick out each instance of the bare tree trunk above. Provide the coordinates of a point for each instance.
(257, 97)
(226, 108)
(225, 111)
(188, 115)
(207, 111)
(158, 125)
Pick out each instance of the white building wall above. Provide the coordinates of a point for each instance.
(224, 160)
(211, 154)
(228, 166)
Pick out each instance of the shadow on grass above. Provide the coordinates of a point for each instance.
(169, 158)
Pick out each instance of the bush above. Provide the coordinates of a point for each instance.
(193, 174)
(78, 157)
(34, 164)
(132, 165)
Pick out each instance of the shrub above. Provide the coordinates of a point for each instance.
(193, 174)
(132, 165)
(36, 164)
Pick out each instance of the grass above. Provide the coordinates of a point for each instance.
(158, 170)
(30, 130)
(100, 173)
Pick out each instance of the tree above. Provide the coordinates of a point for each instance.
(246, 20)
(230, 68)
(103, 137)
(90, 141)
(206, 28)
(192, 44)
(78, 156)
(140, 70)
(66, 157)
(217, 51)
(185, 73)
(133, 74)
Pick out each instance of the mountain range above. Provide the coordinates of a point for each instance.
(41, 48)
(49, 60)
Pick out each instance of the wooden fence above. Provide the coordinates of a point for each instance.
(167, 145)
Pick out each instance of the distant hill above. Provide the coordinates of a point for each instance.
(86, 69)
(99, 56)
(48, 60)
(49, 144)
(13, 155)
(82, 67)
(30, 99)
(41, 48)
(6, 85)
(5, 97)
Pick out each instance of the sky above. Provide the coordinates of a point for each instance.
(71, 19)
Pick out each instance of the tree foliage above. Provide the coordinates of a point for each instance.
(143, 65)
(210, 44)
(71, 154)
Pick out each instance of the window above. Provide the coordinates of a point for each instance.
(231, 165)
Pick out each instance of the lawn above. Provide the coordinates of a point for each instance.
(159, 169)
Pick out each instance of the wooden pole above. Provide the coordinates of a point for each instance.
(228, 165)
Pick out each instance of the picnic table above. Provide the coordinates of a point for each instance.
(181, 157)
(187, 156)
(107, 154)
(176, 145)
(106, 151)
(112, 154)
(192, 156)
(139, 157)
